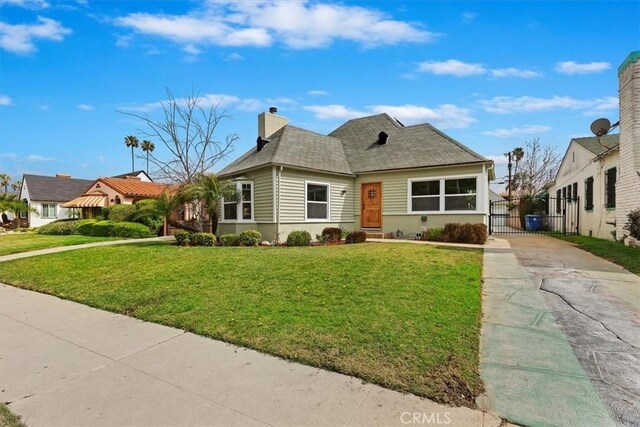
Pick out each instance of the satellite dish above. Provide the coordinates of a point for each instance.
(600, 127)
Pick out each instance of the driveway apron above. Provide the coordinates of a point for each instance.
(560, 335)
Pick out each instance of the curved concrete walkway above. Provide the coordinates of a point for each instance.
(560, 341)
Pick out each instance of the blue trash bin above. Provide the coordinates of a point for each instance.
(533, 222)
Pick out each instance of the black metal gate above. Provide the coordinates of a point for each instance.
(535, 215)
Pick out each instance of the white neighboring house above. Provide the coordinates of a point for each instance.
(587, 179)
(142, 175)
(46, 194)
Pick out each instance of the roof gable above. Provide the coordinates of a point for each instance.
(592, 144)
(54, 189)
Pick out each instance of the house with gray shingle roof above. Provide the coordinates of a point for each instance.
(371, 173)
(46, 194)
(587, 178)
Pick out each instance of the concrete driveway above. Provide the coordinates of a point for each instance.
(66, 364)
(561, 335)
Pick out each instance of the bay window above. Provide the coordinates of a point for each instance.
(242, 209)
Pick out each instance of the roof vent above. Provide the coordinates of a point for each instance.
(261, 142)
(382, 138)
(273, 110)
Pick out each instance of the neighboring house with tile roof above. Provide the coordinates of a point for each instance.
(371, 173)
(115, 191)
(587, 179)
(46, 194)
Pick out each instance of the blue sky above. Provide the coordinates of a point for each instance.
(490, 74)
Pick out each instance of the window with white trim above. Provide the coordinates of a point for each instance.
(48, 210)
(460, 194)
(241, 209)
(443, 195)
(317, 201)
(23, 214)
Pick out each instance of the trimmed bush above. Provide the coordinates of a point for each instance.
(202, 239)
(250, 237)
(633, 224)
(230, 240)
(299, 238)
(147, 214)
(332, 234)
(465, 233)
(105, 211)
(62, 227)
(356, 237)
(182, 237)
(433, 234)
(122, 212)
(114, 229)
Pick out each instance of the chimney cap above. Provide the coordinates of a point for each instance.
(273, 110)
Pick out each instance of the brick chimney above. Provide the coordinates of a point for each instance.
(63, 176)
(269, 123)
(628, 182)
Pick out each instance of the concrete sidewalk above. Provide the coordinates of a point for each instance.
(63, 363)
(560, 336)
(83, 246)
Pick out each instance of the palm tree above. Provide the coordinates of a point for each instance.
(518, 154)
(210, 191)
(4, 181)
(133, 142)
(16, 186)
(148, 147)
(163, 207)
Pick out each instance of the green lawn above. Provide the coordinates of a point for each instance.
(400, 315)
(9, 419)
(24, 242)
(616, 252)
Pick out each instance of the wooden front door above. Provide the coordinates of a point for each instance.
(371, 197)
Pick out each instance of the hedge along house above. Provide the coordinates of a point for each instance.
(371, 174)
(115, 191)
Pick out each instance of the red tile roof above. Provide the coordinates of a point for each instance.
(135, 188)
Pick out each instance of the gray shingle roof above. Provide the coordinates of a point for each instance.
(297, 147)
(407, 147)
(591, 143)
(352, 148)
(54, 189)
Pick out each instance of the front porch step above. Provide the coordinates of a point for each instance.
(378, 235)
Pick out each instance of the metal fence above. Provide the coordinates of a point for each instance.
(535, 215)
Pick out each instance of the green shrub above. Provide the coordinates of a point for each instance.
(61, 227)
(332, 234)
(356, 237)
(202, 239)
(182, 237)
(147, 213)
(250, 237)
(131, 230)
(84, 226)
(633, 224)
(101, 229)
(433, 234)
(299, 238)
(105, 211)
(344, 232)
(122, 212)
(465, 233)
(230, 240)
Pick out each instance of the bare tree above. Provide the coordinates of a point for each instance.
(187, 131)
(538, 166)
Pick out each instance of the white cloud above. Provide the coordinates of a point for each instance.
(37, 158)
(206, 101)
(85, 107)
(249, 104)
(572, 67)
(509, 104)
(296, 24)
(27, 4)
(469, 17)
(8, 156)
(192, 50)
(517, 131)
(235, 56)
(498, 159)
(20, 38)
(451, 67)
(317, 93)
(281, 100)
(5, 100)
(123, 41)
(514, 72)
(444, 116)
